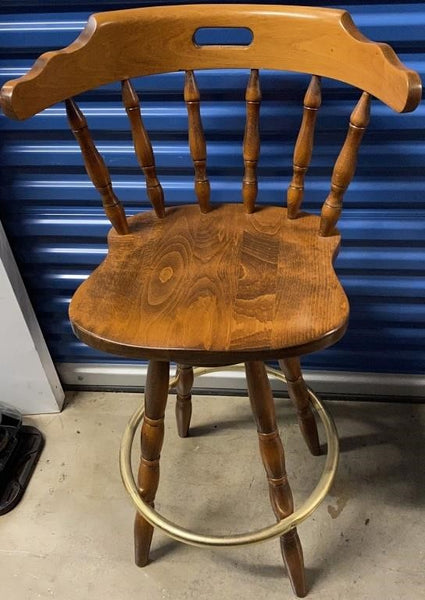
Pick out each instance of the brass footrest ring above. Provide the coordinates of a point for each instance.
(196, 539)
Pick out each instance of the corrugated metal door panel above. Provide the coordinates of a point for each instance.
(57, 228)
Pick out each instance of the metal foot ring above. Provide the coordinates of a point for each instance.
(196, 539)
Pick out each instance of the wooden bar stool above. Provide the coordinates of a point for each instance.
(216, 285)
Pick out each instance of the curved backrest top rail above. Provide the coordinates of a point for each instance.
(122, 44)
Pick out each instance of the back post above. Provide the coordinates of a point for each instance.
(197, 145)
(304, 146)
(143, 147)
(251, 141)
(96, 168)
(345, 166)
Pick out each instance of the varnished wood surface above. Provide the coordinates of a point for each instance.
(215, 288)
(130, 43)
(95, 167)
(197, 144)
(299, 395)
(345, 165)
(143, 147)
(304, 146)
(251, 141)
(273, 457)
(184, 399)
(152, 437)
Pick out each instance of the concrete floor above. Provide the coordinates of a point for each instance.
(71, 535)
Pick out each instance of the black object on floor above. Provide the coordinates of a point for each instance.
(20, 449)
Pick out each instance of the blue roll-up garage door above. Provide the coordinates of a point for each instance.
(56, 226)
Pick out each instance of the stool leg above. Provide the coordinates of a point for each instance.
(184, 399)
(299, 395)
(156, 393)
(272, 454)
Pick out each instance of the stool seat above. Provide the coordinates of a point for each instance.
(214, 288)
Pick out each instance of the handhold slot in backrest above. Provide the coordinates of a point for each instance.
(223, 36)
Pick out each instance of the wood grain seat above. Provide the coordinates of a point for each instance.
(196, 286)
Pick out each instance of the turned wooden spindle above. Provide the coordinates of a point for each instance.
(298, 393)
(345, 165)
(251, 141)
(184, 399)
(143, 147)
(304, 146)
(96, 168)
(197, 145)
(152, 436)
(273, 458)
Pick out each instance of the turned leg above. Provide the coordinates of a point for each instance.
(156, 393)
(299, 395)
(272, 454)
(184, 399)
